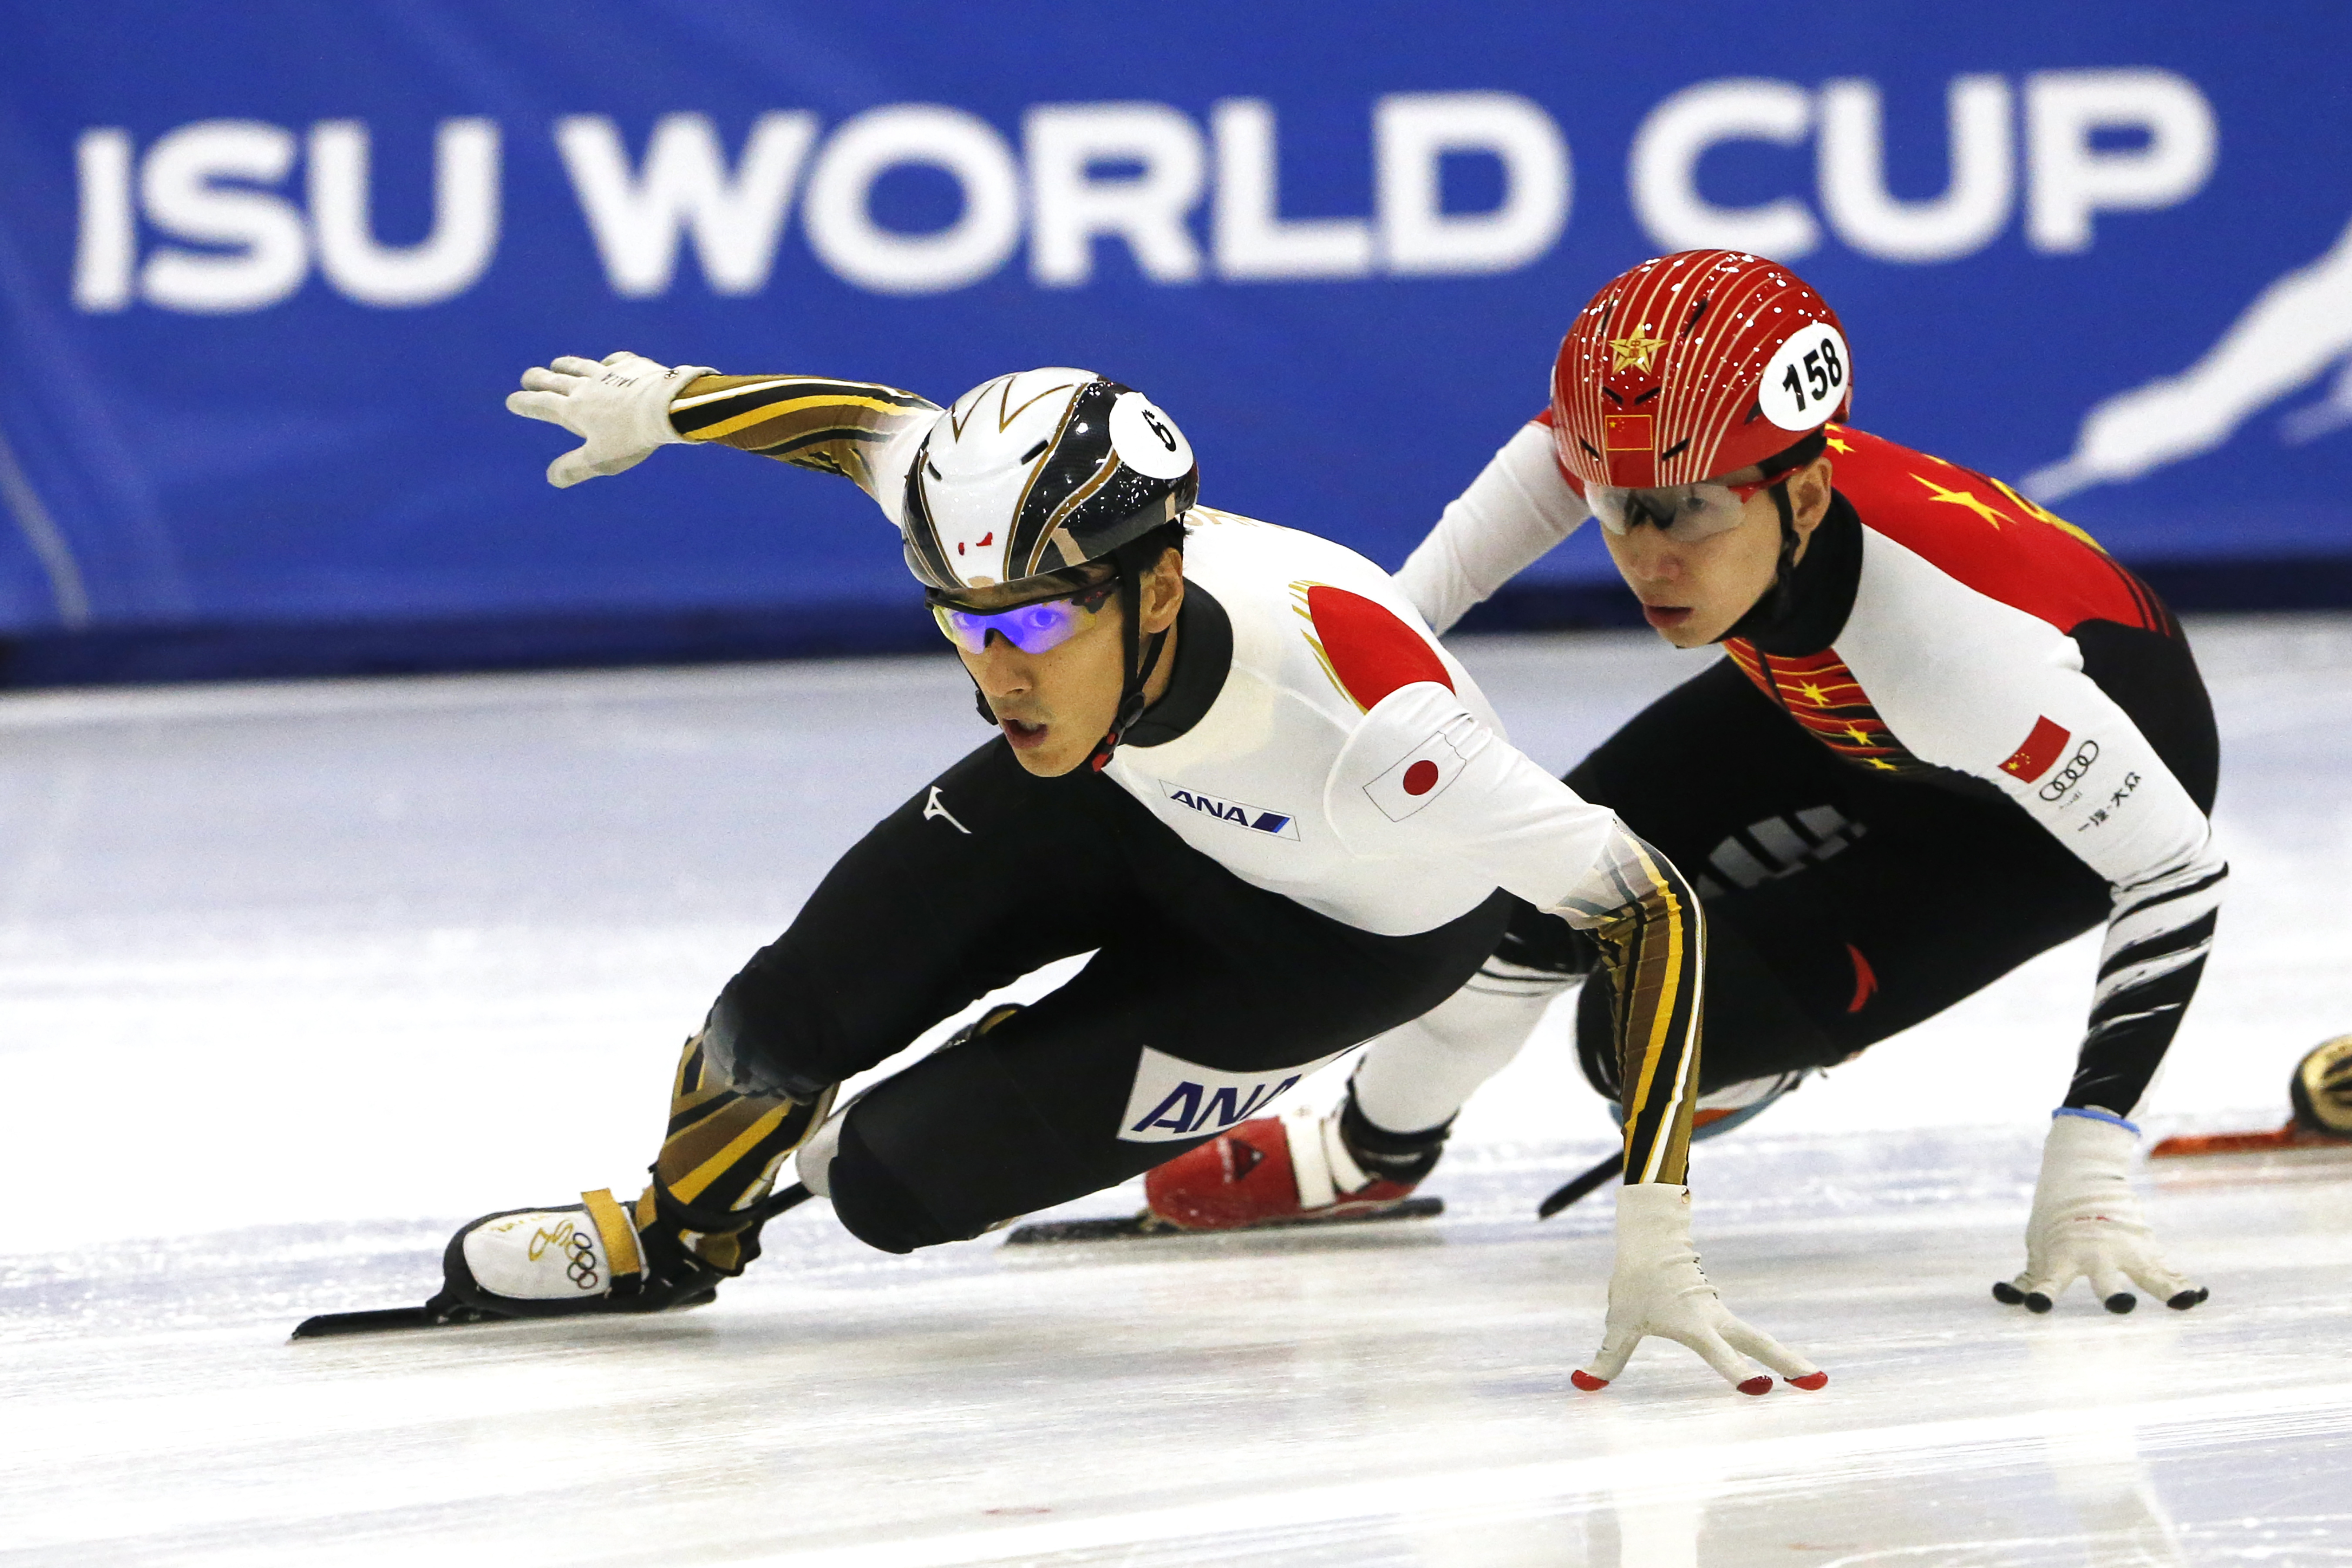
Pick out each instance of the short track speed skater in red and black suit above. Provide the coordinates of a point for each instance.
(1950, 733)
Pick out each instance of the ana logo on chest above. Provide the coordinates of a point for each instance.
(1256, 819)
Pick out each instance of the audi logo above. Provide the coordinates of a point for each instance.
(2072, 774)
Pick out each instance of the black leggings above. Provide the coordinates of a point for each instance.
(991, 873)
(1841, 905)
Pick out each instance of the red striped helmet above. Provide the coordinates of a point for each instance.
(1692, 366)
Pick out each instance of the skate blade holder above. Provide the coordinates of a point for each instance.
(2294, 1135)
(1147, 1226)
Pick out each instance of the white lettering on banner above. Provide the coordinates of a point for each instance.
(1663, 170)
(2072, 178)
(1411, 134)
(261, 243)
(841, 227)
(108, 247)
(264, 252)
(1136, 172)
(454, 253)
(1070, 204)
(1254, 241)
(1173, 1099)
(1977, 195)
(684, 185)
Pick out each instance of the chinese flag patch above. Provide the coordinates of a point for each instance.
(2040, 752)
(1627, 432)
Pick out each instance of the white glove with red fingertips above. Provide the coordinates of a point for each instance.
(1658, 1289)
(619, 409)
(2088, 1224)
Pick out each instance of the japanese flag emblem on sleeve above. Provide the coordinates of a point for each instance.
(1427, 771)
(1425, 777)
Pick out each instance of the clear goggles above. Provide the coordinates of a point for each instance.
(1033, 627)
(1683, 513)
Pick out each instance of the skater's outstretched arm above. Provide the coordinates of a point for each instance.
(625, 406)
(862, 430)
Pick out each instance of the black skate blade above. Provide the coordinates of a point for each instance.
(1145, 1225)
(389, 1320)
(327, 1325)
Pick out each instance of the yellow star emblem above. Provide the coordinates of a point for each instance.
(1857, 734)
(1882, 764)
(1976, 504)
(1838, 446)
(1813, 694)
(1636, 351)
(2033, 508)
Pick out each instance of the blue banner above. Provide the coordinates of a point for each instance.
(267, 271)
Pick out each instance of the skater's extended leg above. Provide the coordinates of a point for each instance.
(1135, 1059)
(937, 905)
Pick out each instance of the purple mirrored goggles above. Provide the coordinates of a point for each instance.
(1034, 627)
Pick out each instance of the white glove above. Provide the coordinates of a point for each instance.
(620, 410)
(2087, 1224)
(1658, 1289)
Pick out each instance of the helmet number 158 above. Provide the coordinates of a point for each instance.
(1825, 372)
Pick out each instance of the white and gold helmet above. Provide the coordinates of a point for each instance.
(1040, 471)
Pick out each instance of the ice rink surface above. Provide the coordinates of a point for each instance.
(294, 979)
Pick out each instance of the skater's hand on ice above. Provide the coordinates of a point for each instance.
(1658, 1289)
(2087, 1224)
(619, 409)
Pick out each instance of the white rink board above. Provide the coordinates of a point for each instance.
(293, 978)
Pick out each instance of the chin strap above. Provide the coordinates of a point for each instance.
(1784, 567)
(1141, 665)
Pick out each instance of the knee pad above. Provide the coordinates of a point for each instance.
(872, 1204)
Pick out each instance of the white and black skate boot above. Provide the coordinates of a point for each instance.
(587, 1257)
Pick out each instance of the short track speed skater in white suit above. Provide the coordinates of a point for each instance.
(1232, 764)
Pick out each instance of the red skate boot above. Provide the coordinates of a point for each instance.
(1303, 1167)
